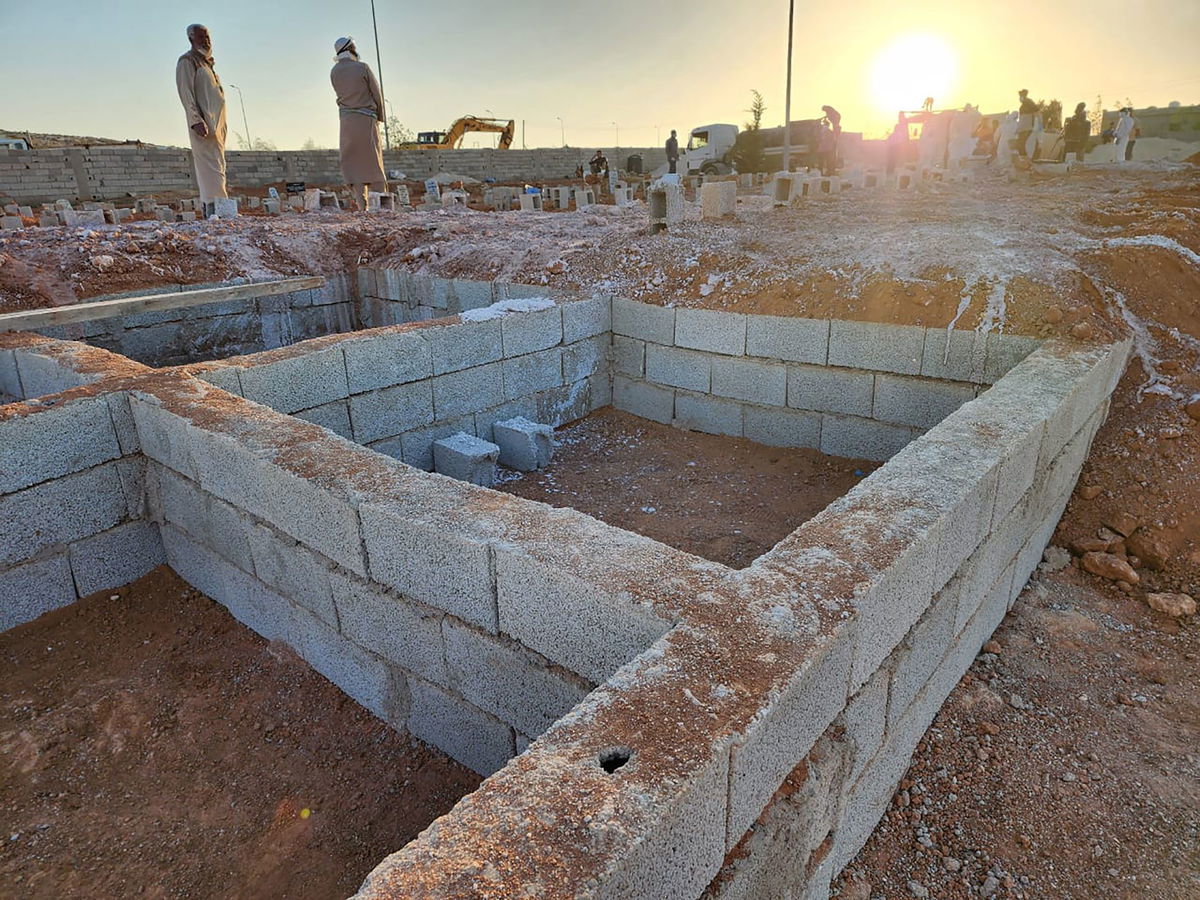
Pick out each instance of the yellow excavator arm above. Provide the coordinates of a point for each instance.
(452, 138)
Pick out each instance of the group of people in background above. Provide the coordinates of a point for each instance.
(360, 110)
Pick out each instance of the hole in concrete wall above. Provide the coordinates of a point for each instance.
(614, 758)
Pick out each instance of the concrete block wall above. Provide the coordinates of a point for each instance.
(72, 504)
(854, 389)
(398, 389)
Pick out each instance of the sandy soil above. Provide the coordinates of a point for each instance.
(726, 499)
(152, 746)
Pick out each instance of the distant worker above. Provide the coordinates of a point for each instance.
(203, 100)
(927, 106)
(672, 151)
(1025, 122)
(1121, 134)
(1133, 136)
(598, 163)
(1076, 131)
(360, 110)
(897, 144)
(834, 118)
(985, 138)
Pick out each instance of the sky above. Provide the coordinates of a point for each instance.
(617, 73)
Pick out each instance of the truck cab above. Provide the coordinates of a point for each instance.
(709, 150)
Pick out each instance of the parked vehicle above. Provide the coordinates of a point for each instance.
(716, 149)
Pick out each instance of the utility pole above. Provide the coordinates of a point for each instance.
(787, 103)
(563, 129)
(242, 100)
(387, 138)
(617, 128)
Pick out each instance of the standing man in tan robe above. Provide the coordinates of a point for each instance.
(360, 108)
(203, 101)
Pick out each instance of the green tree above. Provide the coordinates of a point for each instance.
(397, 133)
(748, 153)
(1051, 114)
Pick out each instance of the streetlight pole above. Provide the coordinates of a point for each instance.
(242, 100)
(618, 137)
(787, 104)
(563, 128)
(387, 138)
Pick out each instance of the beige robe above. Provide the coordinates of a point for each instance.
(203, 100)
(362, 152)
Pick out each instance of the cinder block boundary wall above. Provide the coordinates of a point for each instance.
(824, 660)
(113, 173)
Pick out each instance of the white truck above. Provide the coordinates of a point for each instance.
(714, 149)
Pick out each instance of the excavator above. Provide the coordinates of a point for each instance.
(451, 138)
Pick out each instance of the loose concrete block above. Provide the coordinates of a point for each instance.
(524, 445)
(831, 390)
(404, 633)
(534, 372)
(643, 321)
(11, 223)
(584, 197)
(416, 447)
(464, 345)
(469, 390)
(855, 438)
(881, 348)
(384, 360)
(334, 416)
(466, 733)
(430, 563)
(33, 589)
(646, 400)
(788, 338)
(711, 330)
(629, 356)
(585, 358)
(679, 368)
(391, 411)
(750, 380)
(54, 442)
(466, 458)
(61, 511)
(116, 557)
(954, 355)
(485, 420)
(508, 681)
(297, 382)
(698, 412)
(921, 403)
(586, 318)
(531, 202)
(718, 199)
(288, 567)
(781, 427)
(226, 207)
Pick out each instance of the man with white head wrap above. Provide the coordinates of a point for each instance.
(203, 101)
(360, 109)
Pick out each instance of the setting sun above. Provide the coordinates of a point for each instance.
(911, 68)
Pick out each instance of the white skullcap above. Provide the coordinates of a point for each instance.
(342, 43)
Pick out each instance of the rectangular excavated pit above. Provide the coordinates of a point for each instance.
(506, 620)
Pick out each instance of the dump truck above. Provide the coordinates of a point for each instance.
(452, 137)
(717, 149)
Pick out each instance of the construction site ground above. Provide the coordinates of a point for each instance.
(1064, 765)
(725, 499)
(152, 746)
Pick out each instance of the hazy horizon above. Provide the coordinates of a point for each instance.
(624, 77)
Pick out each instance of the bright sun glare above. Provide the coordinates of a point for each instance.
(911, 68)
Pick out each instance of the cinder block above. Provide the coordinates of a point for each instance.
(919, 654)
(116, 557)
(33, 589)
(711, 330)
(485, 421)
(534, 372)
(10, 381)
(384, 360)
(629, 356)
(466, 458)
(41, 375)
(508, 681)
(570, 402)
(921, 403)
(61, 511)
(528, 332)
(698, 412)
(831, 390)
(288, 567)
(1004, 351)
(55, 441)
(788, 338)
(469, 391)
(954, 355)
(205, 519)
(855, 438)
(416, 447)
(781, 427)
(391, 411)
(334, 416)
(679, 368)
(586, 318)
(404, 633)
(297, 382)
(585, 358)
(865, 719)
(524, 445)
(718, 199)
(646, 400)
(465, 732)
(464, 345)
(881, 348)
(643, 321)
(750, 380)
